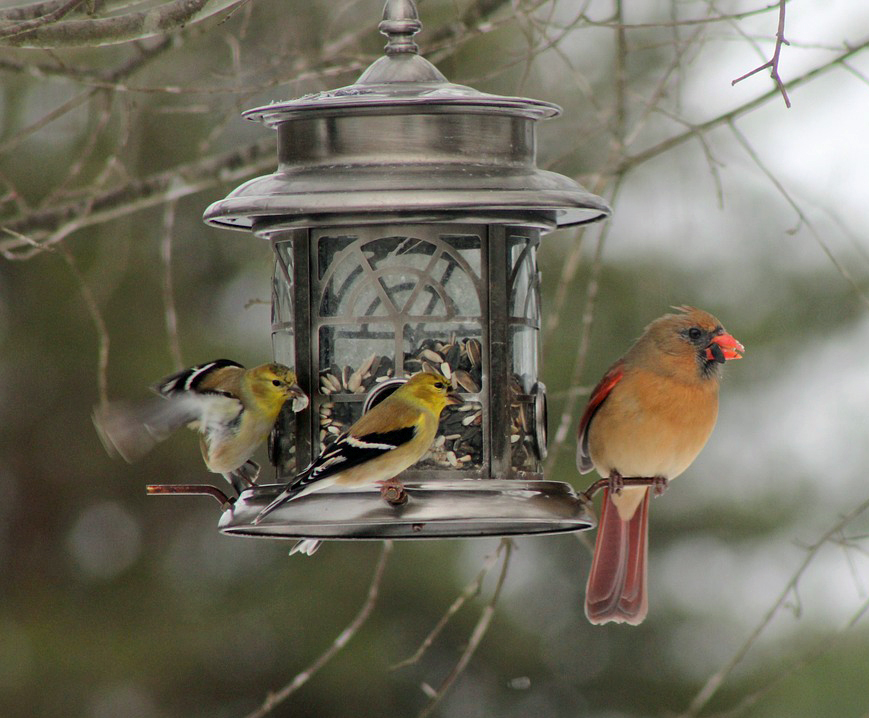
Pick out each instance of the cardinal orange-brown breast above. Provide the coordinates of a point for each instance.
(653, 424)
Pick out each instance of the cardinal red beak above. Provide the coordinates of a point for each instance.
(724, 347)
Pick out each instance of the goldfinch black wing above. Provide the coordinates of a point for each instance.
(347, 451)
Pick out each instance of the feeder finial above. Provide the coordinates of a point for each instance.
(400, 23)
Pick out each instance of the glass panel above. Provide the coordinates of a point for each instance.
(282, 298)
(524, 343)
(524, 280)
(282, 441)
(445, 347)
(389, 301)
(459, 441)
(399, 276)
(348, 349)
(454, 350)
(524, 321)
(283, 346)
(334, 418)
(282, 445)
(523, 454)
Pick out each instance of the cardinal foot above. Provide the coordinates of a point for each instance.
(659, 485)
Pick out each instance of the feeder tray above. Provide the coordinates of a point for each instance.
(434, 509)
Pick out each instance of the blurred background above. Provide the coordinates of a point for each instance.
(113, 142)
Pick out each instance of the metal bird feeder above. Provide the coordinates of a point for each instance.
(405, 216)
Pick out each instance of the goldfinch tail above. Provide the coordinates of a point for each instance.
(298, 488)
(308, 547)
(287, 494)
(130, 430)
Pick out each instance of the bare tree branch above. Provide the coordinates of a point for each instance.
(684, 23)
(469, 592)
(804, 219)
(170, 314)
(823, 648)
(96, 315)
(773, 62)
(710, 688)
(476, 635)
(631, 161)
(111, 30)
(17, 28)
(51, 224)
(31, 11)
(273, 700)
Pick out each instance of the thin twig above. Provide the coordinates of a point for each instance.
(275, 699)
(469, 592)
(104, 115)
(93, 310)
(773, 62)
(804, 219)
(170, 315)
(566, 420)
(16, 28)
(683, 23)
(54, 223)
(165, 18)
(46, 119)
(476, 635)
(632, 161)
(717, 679)
(822, 649)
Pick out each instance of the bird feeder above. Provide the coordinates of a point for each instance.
(405, 217)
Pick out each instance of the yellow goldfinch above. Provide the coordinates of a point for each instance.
(233, 409)
(386, 440)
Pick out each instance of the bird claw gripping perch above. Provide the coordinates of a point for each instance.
(658, 484)
(615, 482)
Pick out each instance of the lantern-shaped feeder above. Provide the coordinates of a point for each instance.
(405, 216)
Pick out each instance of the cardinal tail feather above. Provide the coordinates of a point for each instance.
(616, 589)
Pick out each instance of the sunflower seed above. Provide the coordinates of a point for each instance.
(472, 418)
(466, 381)
(431, 356)
(474, 350)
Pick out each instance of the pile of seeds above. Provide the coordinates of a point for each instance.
(460, 438)
(459, 442)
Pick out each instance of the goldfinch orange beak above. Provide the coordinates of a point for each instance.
(454, 399)
(724, 347)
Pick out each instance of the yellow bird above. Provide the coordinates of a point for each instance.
(386, 440)
(233, 409)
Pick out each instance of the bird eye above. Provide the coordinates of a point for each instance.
(694, 334)
(276, 382)
(439, 385)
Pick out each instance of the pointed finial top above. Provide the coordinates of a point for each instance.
(400, 23)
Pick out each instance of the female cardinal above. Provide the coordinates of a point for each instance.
(649, 417)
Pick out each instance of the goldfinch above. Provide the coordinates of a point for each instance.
(233, 409)
(390, 437)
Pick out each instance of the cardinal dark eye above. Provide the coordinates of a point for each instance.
(694, 334)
